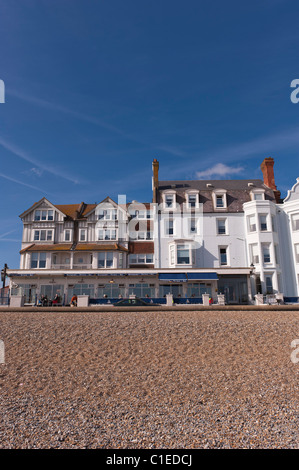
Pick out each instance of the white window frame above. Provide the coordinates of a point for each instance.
(220, 193)
(81, 237)
(43, 215)
(295, 222)
(38, 255)
(254, 253)
(296, 251)
(257, 195)
(141, 258)
(193, 194)
(266, 253)
(223, 247)
(196, 226)
(67, 230)
(107, 214)
(167, 227)
(107, 234)
(218, 220)
(107, 254)
(173, 253)
(40, 238)
(164, 197)
(251, 217)
(265, 223)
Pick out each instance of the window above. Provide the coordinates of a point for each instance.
(169, 200)
(197, 289)
(81, 289)
(223, 256)
(295, 222)
(193, 229)
(107, 214)
(44, 215)
(254, 254)
(266, 253)
(43, 235)
(297, 252)
(141, 258)
(111, 290)
(82, 235)
(172, 254)
(183, 254)
(169, 227)
(263, 223)
(105, 260)
(142, 290)
(192, 200)
(219, 200)
(258, 197)
(221, 226)
(251, 223)
(67, 235)
(269, 286)
(38, 260)
(273, 221)
(141, 235)
(109, 234)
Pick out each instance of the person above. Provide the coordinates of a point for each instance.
(56, 300)
(73, 301)
(43, 300)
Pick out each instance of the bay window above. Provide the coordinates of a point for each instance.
(38, 260)
(105, 260)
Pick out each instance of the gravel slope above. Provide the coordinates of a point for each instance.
(149, 380)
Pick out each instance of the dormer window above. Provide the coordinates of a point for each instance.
(192, 199)
(258, 195)
(169, 200)
(219, 199)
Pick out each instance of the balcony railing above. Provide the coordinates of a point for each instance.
(75, 266)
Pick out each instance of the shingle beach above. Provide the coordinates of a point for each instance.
(215, 379)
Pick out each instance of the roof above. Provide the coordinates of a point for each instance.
(237, 191)
(75, 211)
(69, 246)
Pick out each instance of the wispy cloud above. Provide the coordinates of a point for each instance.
(221, 170)
(3, 237)
(13, 180)
(75, 114)
(11, 147)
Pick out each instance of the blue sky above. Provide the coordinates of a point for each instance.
(94, 90)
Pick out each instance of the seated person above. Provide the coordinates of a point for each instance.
(56, 300)
(73, 301)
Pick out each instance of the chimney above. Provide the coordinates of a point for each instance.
(155, 183)
(268, 175)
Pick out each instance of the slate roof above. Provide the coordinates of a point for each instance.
(237, 192)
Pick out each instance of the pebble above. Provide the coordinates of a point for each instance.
(149, 380)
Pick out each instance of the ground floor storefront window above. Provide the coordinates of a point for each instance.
(197, 289)
(175, 289)
(52, 290)
(26, 290)
(142, 290)
(234, 288)
(111, 291)
(80, 289)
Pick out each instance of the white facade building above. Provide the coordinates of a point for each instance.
(230, 237)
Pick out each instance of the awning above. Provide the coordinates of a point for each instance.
(173, 277)
(202, 276)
